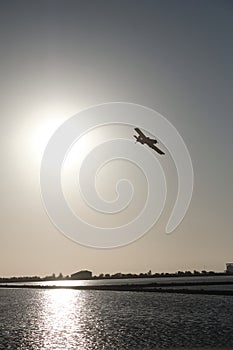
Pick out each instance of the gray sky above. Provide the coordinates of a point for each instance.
(58, 57)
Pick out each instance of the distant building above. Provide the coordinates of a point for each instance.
(82, 275)
(229, 267)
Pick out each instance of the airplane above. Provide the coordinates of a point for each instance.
(147, 140)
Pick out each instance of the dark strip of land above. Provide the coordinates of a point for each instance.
(149, 288)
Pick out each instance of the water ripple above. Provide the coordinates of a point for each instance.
(87, 320)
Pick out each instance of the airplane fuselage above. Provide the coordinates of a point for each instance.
(146, 140)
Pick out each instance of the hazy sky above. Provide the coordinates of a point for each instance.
(58, 57)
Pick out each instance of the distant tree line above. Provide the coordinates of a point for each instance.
(118, 275)
(149, 274)
(52, 277)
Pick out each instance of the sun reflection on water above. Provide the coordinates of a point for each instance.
(61, 319)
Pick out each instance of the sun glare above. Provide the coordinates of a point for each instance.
(41, 127)
(42, 133)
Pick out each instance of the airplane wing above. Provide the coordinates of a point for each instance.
(140, 132)
(156, 149)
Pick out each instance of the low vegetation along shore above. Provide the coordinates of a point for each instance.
(174, 287)
(117, 275)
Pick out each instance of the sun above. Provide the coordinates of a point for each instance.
(40, 127)
(42, 134)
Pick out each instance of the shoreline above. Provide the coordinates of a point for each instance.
(164, 276)
(125, 288)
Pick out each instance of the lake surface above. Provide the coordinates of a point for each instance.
(86, 320)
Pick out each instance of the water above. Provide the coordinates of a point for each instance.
(86, 320)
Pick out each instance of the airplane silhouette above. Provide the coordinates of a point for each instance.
(147, 140)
